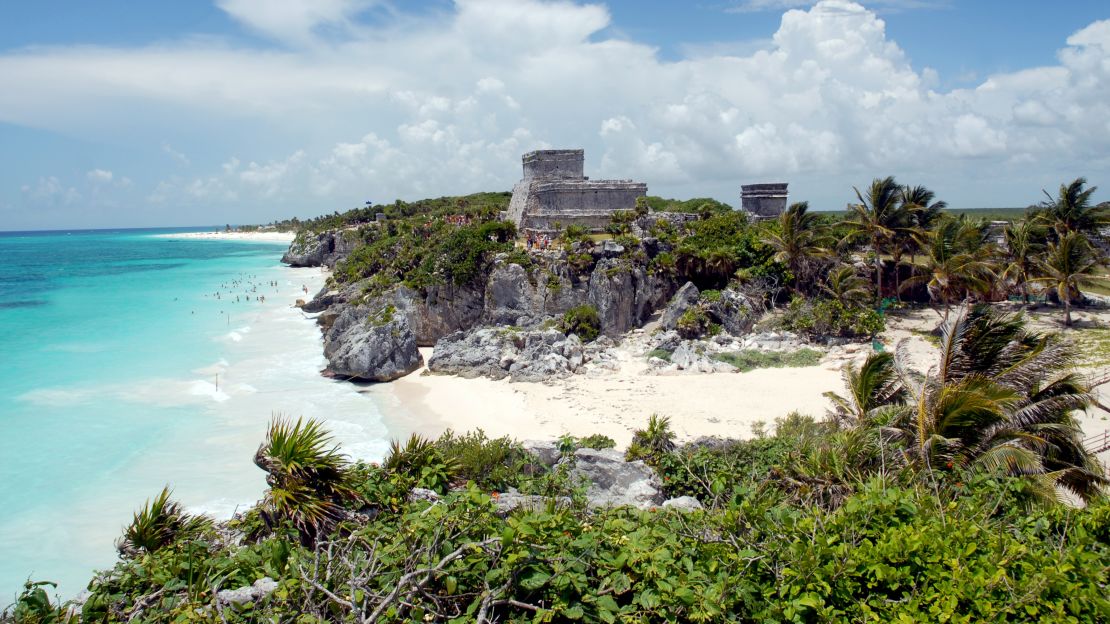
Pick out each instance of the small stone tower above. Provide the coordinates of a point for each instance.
(763, 201)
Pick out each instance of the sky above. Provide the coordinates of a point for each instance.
(195, 112)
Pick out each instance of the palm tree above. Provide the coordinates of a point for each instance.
(999, 399)
(845, 286)
(878, 217)
(796, 242)
(307, 477)
(923, 214)
(1071, 210)
(1068, 264)
(721, 262)
(957, 262)
(870, 387)
(1024, 242)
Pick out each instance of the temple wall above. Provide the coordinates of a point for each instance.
(554, 164)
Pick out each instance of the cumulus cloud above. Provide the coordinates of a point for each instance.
(99, 176)
(447, 102)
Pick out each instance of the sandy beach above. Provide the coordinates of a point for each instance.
(617, 403)
(261, 237)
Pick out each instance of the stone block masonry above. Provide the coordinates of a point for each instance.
(554, 194)
(763, 201)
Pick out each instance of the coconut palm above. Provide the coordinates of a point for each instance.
(871, 386)
(1000, 398)
(923, 214)
(307, 477)
(721, 262)
(1024, 243)
(844, 285)
(878, 217)
(159, 523)
(797, 242)
(1068, 264)
(1071, 210)
(957, 262)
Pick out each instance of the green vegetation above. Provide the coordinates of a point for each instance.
(583, 321)
(856, 518)
(752, 359)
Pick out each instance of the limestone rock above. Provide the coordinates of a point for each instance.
(423, 495)
(367, 344)
(513, 500)
(734, 312)
(261, 588)
(546, 452)
(682, 300)
(322, 249)
(683, 503)
(615, 482)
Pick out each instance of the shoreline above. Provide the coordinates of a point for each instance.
(257, 237)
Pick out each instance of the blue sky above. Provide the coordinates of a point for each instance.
(189, 112)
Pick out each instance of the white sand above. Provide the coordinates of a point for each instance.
(617, 403)
(614, 404)
(262, 237)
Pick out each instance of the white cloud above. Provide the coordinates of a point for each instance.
(51, 191)
(99, 176)
(174, 154)
(294, 21)
(446, 103)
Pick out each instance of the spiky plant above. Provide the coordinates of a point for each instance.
(160, 522)
(307, 477)
(421, 460)
(654, 441)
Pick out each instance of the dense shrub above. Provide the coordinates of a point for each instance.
(582, 321)
(828, 317)
(752, 359)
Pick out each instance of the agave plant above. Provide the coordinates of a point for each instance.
(159, 523)
(307, 477)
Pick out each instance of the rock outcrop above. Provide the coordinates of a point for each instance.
(685, 297)
(261, 588)
(615, 482)
(498, 352)
(322, 249)
(371, 344)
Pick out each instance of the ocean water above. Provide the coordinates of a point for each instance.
(123, 372)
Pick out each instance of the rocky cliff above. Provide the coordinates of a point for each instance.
(323, 249)
(502, 324)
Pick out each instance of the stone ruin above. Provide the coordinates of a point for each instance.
(763, 201)
(555, 193)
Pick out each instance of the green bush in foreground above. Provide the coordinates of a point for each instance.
(965, 547)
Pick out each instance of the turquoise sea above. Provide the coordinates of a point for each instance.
(132, 361)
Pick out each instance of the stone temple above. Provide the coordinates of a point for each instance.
(763, 201)
(555, 193)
